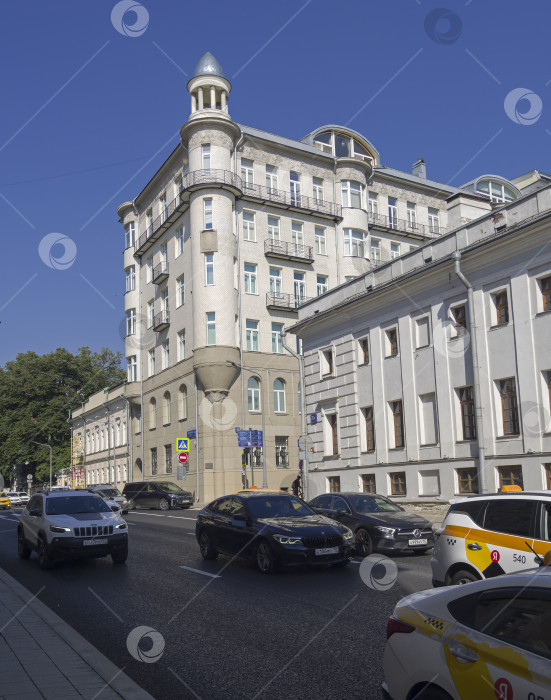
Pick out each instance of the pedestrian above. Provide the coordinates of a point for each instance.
(295, 486)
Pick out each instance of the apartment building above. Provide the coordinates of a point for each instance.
(419, 390)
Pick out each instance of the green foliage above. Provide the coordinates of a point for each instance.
(37, 393)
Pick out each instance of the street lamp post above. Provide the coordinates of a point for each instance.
(43, 444)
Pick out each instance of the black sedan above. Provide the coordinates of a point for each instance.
(378, 524)
(272, 529)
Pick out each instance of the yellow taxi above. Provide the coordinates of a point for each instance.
(4, 501)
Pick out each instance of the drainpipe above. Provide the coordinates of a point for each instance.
(456, 257)
(300, 359)
(336, 225)
(239, 310)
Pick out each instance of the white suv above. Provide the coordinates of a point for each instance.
(71, 525)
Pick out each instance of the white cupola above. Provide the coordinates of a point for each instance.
(209, 89)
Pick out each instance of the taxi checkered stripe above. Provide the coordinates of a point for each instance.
(451, 540)
(435, 622)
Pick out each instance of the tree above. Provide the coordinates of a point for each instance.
(37, 394)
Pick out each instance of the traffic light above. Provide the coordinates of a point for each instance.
(243, 459)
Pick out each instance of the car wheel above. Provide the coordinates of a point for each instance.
(265, 559)
(120, 557)
(208, 550)
(22, 549)
(341, 564)
(44, 560)
(462, 577)
(364, 546)
(164, 504)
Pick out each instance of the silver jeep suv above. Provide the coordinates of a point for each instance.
(71, 525)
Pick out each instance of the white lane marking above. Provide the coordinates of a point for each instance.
(153, 515)
(7, 517)
(180, 517)
(198, 571)
(191, 533)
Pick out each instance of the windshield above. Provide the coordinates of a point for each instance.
(278, 507)
(23, 494)
(13, 494)
(71, 505)
(108, 493)
(375, 504)
(168, 486)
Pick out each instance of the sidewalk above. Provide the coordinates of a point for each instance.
(41, 656)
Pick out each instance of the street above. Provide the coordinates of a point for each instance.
(229, 631)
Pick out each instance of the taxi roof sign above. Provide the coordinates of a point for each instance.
(510, 487)
(182, 444)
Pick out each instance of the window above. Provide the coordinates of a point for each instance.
(459, 315)
(152, 414)
(510, 476)
(205, 156)
(363, 348)
(178, 185)
(297, 233)
(131, 368)
(547, 473)
(253, 394)
(412, 215)
(166, 408)
(249, 230)
(279, 396)
(153, 460)
(427, 411)
(271, 179)
(394, 251)
(282, 451)
(275, 282)
(320, 240)
(398, 483)
(501, 308)
(150, 313)
(129, 234)
(300, 286)
(326, 362)
(351, 194)
(181, 346)
(354, 245)
(250, 279)
(294, 181)
(211, 328)
(434, 220)
(180, 291)
(509, 408)
(507, 515)
(273, 229)
(330, 434)
(252, 335)
(392, 213)
(277, 340)
(375, 251)
(368, 483)
(131, 278)
(151, 361)
(162, 206)
(164, 302)
(149, 222)
(545, 286)
(247, 174)
(209, 268)
(467, 480)
(373, 204)
(397, 423)
(467, 410)
(321, 284)
(168, 459)
(165, 356)
(131, 322)
(391, 342)
(422, 332)
(179, 242)
(369, 429)
(149, 269)
(207, 213)
(333, 484)
(496, 191)
(182, 402)
(318, 189)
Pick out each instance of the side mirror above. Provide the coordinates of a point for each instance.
(115, 508)
(342, 511)
(35, 512)
(241, 517)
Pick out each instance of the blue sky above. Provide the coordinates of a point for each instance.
(84, 108)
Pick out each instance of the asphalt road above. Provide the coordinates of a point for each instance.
(229, 632)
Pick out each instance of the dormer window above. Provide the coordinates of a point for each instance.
(496, 191)
(342, 145)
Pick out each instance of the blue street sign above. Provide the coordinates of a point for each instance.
(256, 438)
(192, 433)
(244, 438)
(237, 430)
(313, 418)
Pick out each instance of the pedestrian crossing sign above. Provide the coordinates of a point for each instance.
(182, 445)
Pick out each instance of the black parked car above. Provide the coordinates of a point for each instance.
(272, 529)
(156, 494)
(377, 523)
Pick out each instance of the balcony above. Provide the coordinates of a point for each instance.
(161, 321)
(160, 273)
(285, 302)
(288, 251)
(291, 200)
(419, 231)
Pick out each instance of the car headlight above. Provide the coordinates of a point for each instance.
(55, 528)
(388, 531)
(348, 534)
(121, 526)
(284, 539)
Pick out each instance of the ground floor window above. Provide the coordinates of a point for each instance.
(282, 451)
(334, 483)
(510, 476)
(398, 483)
(368, 483)
(153, 460)
(467, 480)
(547, 468)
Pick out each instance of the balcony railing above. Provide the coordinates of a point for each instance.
(288, 302)
(403, 226)
(291, 200)
(288, 251)
(211, 176)
(161, 321)
(160, 272)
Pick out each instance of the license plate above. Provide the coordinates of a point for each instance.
(327, 550)
(414, 542)
(103, 540)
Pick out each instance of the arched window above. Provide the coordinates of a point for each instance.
(152, 414)
(182, 402)
(253, 393)
(279, 396)
(166, 408)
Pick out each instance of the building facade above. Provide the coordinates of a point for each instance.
(417, 389)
